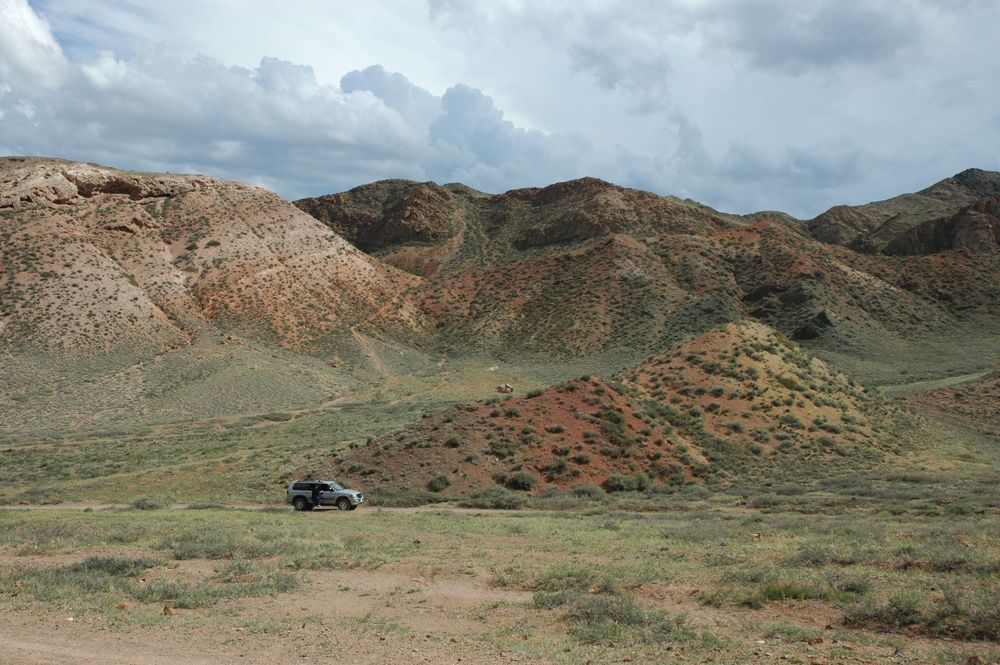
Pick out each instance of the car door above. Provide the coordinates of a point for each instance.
(328, 496)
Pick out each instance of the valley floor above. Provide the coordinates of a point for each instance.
(595, 584)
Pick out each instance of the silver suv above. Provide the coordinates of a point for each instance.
(309, 494)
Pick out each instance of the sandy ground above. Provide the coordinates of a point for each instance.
(355, 616)
(415, 613)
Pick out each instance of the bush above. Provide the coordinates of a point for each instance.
(497, 498)
(503, 448)
(453, 442)
(903, 609)
(789, 419)
(625, 483)
(520, 481)
(612, 608)
(216, 544)
(155, 502)
(438, 483)
(111, 565)
(588, 491)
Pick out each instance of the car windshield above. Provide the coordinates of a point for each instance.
(335, 487)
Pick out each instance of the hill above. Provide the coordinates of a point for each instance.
(166, 330)
(976, 404)
(734, 402)
(97, 260)
(874, 226)
(584, 266)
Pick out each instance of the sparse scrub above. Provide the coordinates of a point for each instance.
(498, 498)
(438, 483)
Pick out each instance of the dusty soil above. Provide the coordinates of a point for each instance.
(976, 405)
(389, 616)
(443, 610)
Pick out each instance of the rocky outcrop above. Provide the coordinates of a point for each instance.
(94, 259)
(842, 224)
(42, 181)
(873, 227)
(974, 228)
(389, 213)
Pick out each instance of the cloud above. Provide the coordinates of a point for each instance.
(29, 55)
(742, 104)
(274, 123)
(794, 38)
(396, 91)
(640, 74)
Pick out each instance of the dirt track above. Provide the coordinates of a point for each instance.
(436, 632)
(252, 506)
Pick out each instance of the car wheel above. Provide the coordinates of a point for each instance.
(300, 503)
(343, 504)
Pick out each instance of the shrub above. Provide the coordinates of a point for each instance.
(791, 384)
(111, 565)
(503, 448)
(789, 419)
(520, 481)
(438, 483)
(497, 498)
(625, 483)
(453, 442)
(588, 491)
(900, 610)
(155, 502)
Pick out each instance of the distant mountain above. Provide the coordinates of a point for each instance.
(715, 345)
(101, 260)
(584, 266)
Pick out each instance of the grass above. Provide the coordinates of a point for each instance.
(610, 575)
(103, 579)
(220, 423)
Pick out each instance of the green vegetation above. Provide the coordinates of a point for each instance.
(438, 483)
(906, 566)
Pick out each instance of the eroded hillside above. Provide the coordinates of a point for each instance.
(100, 260)
(584, 266)
(734, 401)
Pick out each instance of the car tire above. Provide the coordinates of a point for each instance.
(300, 503)
(344, 503)
(354, 507)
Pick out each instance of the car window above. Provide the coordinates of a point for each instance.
(300, 486)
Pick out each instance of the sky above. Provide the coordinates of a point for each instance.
(745, 105)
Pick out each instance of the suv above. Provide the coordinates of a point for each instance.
(300, 495)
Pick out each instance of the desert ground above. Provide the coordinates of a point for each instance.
(885, 576)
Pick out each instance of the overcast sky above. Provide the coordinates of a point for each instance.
(742, 104)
